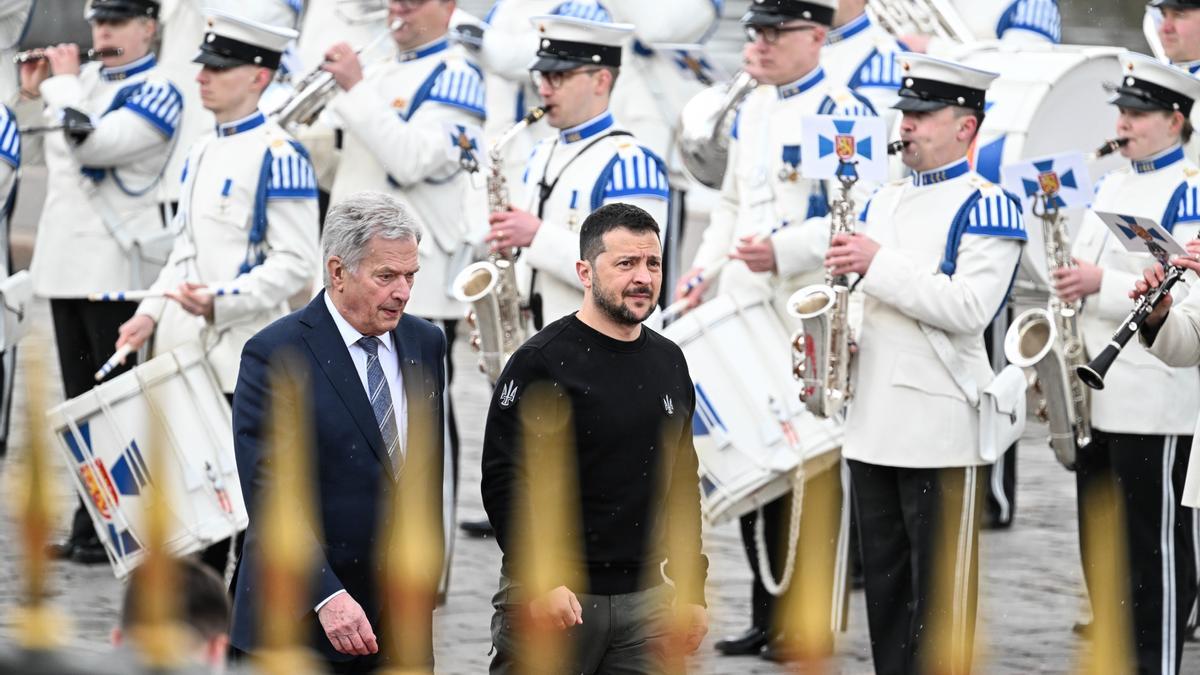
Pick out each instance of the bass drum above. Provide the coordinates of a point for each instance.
(1048, 99)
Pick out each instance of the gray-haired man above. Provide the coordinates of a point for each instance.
(374, 404)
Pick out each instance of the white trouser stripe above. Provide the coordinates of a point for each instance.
(1194, 515)
(998, 488)
(962, 569)
(1167, 544)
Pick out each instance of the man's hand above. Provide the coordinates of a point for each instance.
(33, 74)
(558, 610)
(63, 59)
(512, 228)
(194, 299)
(346, 626)
(850, 254)
(1152, 278)
(135, 332)
(1080, 281)
(694, 294)
(693, 620)
(343, 64)
(916, 42)
(759, 257)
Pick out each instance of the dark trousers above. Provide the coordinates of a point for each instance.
(920, 535)
(1147, 472)
(86, 333)
(816, 567)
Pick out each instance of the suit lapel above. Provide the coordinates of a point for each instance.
(412, 368)
(331, 354)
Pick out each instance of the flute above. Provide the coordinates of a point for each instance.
(679, 306)
(138, 296)
(39, 54)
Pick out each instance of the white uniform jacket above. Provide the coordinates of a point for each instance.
(1177, 344)
(1192, 147)
(14, 16)
(1162, 189)
(950, 242)
(115, 171)
(403, 126)
(1012, 21)
(763, 188)
(583, 168)
(862, 56)
(10, 163)
(248, 222)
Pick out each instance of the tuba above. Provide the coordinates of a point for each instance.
(937, 18)
(821, 348)
(704, 126)
(490, 286)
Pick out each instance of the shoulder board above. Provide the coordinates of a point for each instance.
(632, 172)
(155, 100)
(459, 84)
(1188, 197)
(291, 173)
(1035, 16)
(10, 137)
(843, 101)
(879, 69)
(1190, 172)
(996, 213)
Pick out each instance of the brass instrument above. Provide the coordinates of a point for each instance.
(317, 89)
(39, 54)
(489, 286)
(821, 348)
(937, 18)
(704, 126)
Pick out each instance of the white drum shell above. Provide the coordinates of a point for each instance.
(105, 437)
(740, 362)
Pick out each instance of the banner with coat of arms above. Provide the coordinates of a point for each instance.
(832, 146)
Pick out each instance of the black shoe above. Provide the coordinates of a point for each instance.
(89, 554)
(61, 550)
(477, 529)
(750, 642)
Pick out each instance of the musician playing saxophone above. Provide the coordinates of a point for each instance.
(1145, 447)
(764, 192)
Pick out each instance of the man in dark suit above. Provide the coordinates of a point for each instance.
(373, 374)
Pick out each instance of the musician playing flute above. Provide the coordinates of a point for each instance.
(937, 253)
(101, 225)
(762, 190)
(1144, 447)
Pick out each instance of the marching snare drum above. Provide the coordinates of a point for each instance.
(1048, 99)
(750, 429)
(105, 436)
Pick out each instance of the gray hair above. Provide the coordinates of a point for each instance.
(352, 223)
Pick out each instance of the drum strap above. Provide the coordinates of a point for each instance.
(777, 588)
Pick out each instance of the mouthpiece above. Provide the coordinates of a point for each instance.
(534, 115)
(1109, 147)
(396, 25)
(897, 147)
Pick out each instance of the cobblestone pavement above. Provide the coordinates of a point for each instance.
(1030, 578)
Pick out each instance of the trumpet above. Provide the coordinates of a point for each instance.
(318, 87)
(39, 54)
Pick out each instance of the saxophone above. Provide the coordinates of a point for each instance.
(821, 348)
(500, 321)
(1048, 340)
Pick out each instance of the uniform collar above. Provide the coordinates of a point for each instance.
(941, 174)
(439, 45)
(255, 119)
(117, 73)
(588, 129)
(1192, 67)
(1160, 161)
(849, 30)
(812, 79)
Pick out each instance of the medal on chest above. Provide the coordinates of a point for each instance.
(789, 172)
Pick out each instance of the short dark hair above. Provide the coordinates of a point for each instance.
(608, 218)
(204, 602)
(961, 111)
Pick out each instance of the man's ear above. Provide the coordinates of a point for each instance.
(337, 273)
(584, 270)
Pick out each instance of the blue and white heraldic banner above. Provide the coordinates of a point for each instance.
(1062, 178)
(833, 146)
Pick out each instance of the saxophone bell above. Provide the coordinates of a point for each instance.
(1034, 341)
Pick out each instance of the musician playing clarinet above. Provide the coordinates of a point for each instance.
(1144, 416)
(101, 226)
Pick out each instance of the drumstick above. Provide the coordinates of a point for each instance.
(137, 296)
(113, 361)
(680, 306)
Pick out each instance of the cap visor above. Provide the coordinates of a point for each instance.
(1182, 4)
(208, 58)
(1125, 99)
(109, 14)
(549, 64)
(909, 104)
(759, 18)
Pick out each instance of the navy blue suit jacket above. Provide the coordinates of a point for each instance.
(353, 481)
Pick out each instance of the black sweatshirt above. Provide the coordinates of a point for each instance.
(630, 405)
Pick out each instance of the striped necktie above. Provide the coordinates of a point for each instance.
(381, 402)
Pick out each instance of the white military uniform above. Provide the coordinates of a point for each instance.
(14, 16)
(106, 183)
(1192, 147)
(1011, 21)
(1177, 344)
(403, 124)
(586, 166)
(763, 188)
(862, 56)
(248, 219)
(1155, 189)
(919, 276)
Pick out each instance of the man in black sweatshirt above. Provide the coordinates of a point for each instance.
(611, 402)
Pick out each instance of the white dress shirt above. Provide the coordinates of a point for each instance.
(390, 362)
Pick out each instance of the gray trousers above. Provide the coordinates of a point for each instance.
(620, 634)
